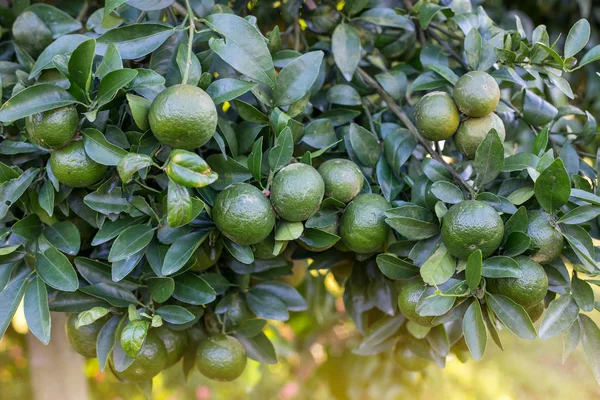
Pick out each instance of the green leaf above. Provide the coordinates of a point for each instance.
(180, 208)
(136, 40)
(413, 229)
(474, 331)
(101, 150)
(46, 197)
(110, 62)
(553, 186)
(386, 17)
(106, 340)
(130, 241)
(56, 270)
(296, 78)
(365, 145)
(81, 63)
(346, 48)
(112, 83)
(344, 95)
(242, 47)
(59, 22)
(259, 348)
(37, 313)
(516, 243)
(438, 268)
(473, 48)
(195, 69)
(582, 293)
(447, 192)
(540, 142)
(395, 268)
(500, 267)
(427, 12)
(161, 289)
(64, 46)
(580, 214)
(281, 154)
(266, 305)
(133, 336)
(111, 292)
(390, 185)
(140, 107)
(255, 159)
(444, 72)
(250, 113)
(229, 171)
(181, 251)
(512, 315)
(586, 196)
(192, 289)
(90, 316)
(319, 134)
(489, 159)
(288, 230)
(175, 314)
(536, 110)
(590, 337)
(189, 169)
(64, 236)
(131, 163)
(560, 315)
(227, 89)
(394, 82)
(578, 36)
(34, 99)
(10, 298)
(318, 238)
(243, 254)
(520, 161)
(249, 328)
(474, 269)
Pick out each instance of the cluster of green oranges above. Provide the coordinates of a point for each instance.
(219, 357)
(476, 95)
(246, 216)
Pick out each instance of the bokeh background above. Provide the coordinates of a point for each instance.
(315, 347)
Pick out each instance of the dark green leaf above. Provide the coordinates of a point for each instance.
(161, 288)
(489, 158)
(181, 251)
(512, 315)
(101, 150)
(578, 36)
(111, 292)
(136, 40)
(37, 313)
(346, 48)
(130, 241)
(192, 289)
(396, 268)
(365, 145)
(281, 154)
(447, 192)
(56, 270)
(227, 89)
(34, 99)
(296, 78)
(560, 315)
(553, 186)
(500, 267)
(474, 269)
(64, 236)
(582, 293)
(10, 298)
(175, 314)
(474, 331)
(590, 337)
(106, 340)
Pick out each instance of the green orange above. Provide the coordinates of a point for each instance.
(546, 239)
(73, 167)
(297, 192)
(476, 94)
(243, 214)
(436, 116)
(175, 343)
(362, 226)
(472, 131)
(183, 117)
(343, 179)
(221, 358)
(528, 288)
(407, 303)
(149, 362)
(471, 225)
(52, 129)
(83, 340)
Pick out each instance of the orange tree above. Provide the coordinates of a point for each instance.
(164, 164)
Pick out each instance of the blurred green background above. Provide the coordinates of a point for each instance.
(316, 363)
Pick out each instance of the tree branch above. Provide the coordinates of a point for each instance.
(395, 108)
(449, 49)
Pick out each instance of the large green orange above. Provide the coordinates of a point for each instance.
(243, 214)
(222, 358)
(472, 131)
(343, 179)
(436, 116)
(476, 94)
(407, 303)
(52, 129)
(83, 340)
(183, 117)
(149, 362)
(546, 239)
(528, 289)
(175, 343)
(297, 192)
(362, 227)
(471, 225)
(72, 166)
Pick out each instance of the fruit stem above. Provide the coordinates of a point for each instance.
(191, 29)
(395, 108)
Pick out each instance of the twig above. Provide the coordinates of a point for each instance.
(448, 48)
(83, 11)
(445, 32)
(296, 33)
(192, 28)
(395, 108)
